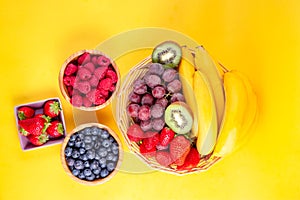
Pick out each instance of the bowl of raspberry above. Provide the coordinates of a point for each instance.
(91, 154)
(89, 80)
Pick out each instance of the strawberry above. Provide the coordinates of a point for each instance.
(147, 152)
(45, 118)
(163, 158)
(135, 133)
(52, 108)
(179, 149)
(55, 129)
(166, 135)
(191, 160)
(25, 112)
(151, 140)
(32, 126)
(38, 140)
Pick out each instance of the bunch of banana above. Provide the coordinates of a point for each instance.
(224, 104)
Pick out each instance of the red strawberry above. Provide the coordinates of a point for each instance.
(179, 149)
(25, 112)
(32, 126)
(55, 129)
(151, 140)
(45, 118)
(38, 140)
(166, 135)
(84, 58)
(163, 158)
(135, 133)
(147, 152)
(191, 160)
(70, 69)
(52, 108)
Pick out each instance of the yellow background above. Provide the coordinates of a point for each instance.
(259, 38)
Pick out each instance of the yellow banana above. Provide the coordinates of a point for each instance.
(207, 116)
(237, 102)
(205, 64)
(186, 73)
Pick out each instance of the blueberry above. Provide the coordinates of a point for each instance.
(97, 157)
(116, 152)
(91, 177)
(87, 139)
(83, 157)
(75, 154)
(97, 176)
(90, 154)
(71, 143)
(80, 135)
(104, 134)
(95, 130)
(81, 176)
(111, 139)
(109, 156)
(96, 171)
(82, 150)
(88, 146)
(102, 152)
(78, 142)
(104, 173)
(75, 172)
(102, 161)
(78, 164)
(73, 138)
(115, 158)
(82, 145)
(110, 166)
(87, 172)
(87, 131)
(115, 146)
(103, 166)
(86, 164)
(106, 143)
(95, 165)
(97, 145)
(68, 151)
(70, 162)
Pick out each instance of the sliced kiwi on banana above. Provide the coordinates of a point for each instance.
(167, 53)
(179, 117)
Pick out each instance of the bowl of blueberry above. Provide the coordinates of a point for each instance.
(91, 154)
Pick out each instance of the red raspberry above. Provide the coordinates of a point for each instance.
(112, 88)
(112, 74)
(87, 102)
(69, 80)
(99, 100)
(94, 60)
(84, 58)
(83, 87)
(76, 100)
(105, 84)
(90, 66)
(100, 72)
(84, 74)
(70, 69)
(94, 81)
(70, 90)
(103, 61)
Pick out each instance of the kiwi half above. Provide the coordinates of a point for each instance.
(179, 117)
(167, 53)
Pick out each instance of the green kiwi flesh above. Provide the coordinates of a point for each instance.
(167, 53)
(178, 116)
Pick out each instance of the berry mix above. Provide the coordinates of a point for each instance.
(42, 127)
(91, 153)
(161, 120)
(90, 79)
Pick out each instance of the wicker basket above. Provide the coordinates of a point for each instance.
(63, 88)
(124, 121)
(97, 181)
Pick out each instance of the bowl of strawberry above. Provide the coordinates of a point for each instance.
(40, 123)
(91, 154)
(89, 80)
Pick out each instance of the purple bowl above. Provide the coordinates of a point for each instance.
(38, 106)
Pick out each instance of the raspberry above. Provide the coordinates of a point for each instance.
(84, 58)
(103, 61)
(96, 94)
(69, 80)
(112, 74)
(84, 74)
(70, 69)
(76, 100)
(99, 100)
(105, 84)
(100, 72)
(103, 93)
(87, 102)
(94, 60)
(94, 81)
(70, 90)
(84, 87)
(90, 66)
(112, 88)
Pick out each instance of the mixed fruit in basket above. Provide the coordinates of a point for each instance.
(90, 79)
(39, 128)
(174, 110)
